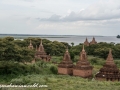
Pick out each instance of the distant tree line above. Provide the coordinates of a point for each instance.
(17, 50)
(100, 49)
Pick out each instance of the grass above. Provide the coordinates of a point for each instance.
(64, 82)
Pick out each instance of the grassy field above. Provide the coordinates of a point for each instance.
(61, 82)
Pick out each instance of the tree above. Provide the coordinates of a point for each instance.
(72, 44)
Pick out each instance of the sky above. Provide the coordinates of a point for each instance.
(60, 17)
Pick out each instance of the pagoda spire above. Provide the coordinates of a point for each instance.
(109, 60)
(40, 52)
(41, 48)
(83, 54)
(86, 42)
(66, 65)
(41, 43)
(86, 39)
(93, 41)
(83, 49)
(67, 55)
(94, 38)
(83, 67)
(109, 71)
(30, 45)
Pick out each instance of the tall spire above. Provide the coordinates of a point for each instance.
(41, 48)
(109, 60)
(109, 71)
(83, 54)
(66, 65)
(67, 49)
(83, 50)
(86, 42)
(83, 67)
(41, 42)
(67, 55)
(86, 39)
(93, 41)
(30, 45)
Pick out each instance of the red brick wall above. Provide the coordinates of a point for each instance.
(82, 73)
(65, 70)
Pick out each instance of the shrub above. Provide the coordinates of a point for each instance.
(53, 69)
(97, 61)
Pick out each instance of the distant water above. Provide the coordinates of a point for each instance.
(80, 39)
(76, 39)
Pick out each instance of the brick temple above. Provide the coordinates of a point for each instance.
(93, 41)
(41, 54)
(109, 71)
(30, 45)
(83, 67)
(66, 66)
(86, 42)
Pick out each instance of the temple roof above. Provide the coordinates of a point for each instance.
(66, 62)
(109, 60)
(86, 42)
(30, 45)
(66, 56)
(41, 48)
(109, 70)
(83, 63)
(93, 41)
(83, 54)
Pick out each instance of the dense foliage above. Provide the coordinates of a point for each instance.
(10, 51)
(101, 49)
(16, 50)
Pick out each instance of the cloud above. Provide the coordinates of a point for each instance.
(102, 10)
(78, 28)
(52, 18)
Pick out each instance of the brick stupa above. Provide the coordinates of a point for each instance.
(66, 66)
(109, 71)
(41, 54)
(30, 45)
(83, 67)
(93, 41)
(86, 42)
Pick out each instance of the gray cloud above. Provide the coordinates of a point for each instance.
(52, 18)
(99, 11)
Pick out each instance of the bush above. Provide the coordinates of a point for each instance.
(53, 69)
(97, 61)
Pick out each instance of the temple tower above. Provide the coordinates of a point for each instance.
(93, 41)
(41, 54)
(66, 66)
(86, 42)
(83, 67)
(109, 71)
(30, 45)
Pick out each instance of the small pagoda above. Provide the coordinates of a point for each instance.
(30, 45)
(109, 71)
(93, 41)
(41, 54)
(86, 42)
(66, 66)
(83, 67)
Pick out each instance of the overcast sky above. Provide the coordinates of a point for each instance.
(60, 17)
